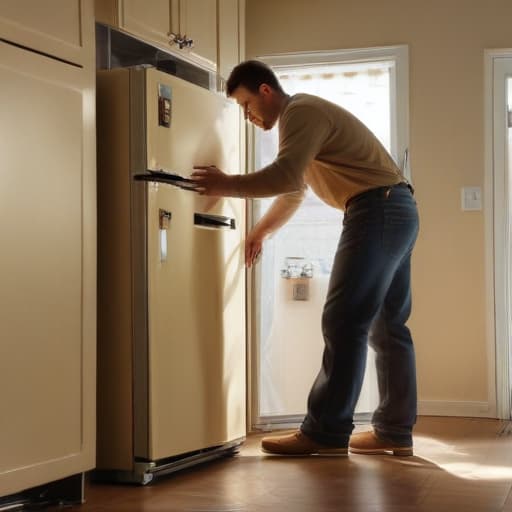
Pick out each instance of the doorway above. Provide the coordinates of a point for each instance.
(290, 283)
(498, 223)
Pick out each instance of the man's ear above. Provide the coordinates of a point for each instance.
(265, 89)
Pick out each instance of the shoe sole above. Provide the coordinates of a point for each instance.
(397, 452)
(331, 451)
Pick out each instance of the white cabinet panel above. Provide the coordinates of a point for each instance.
(198, 21)
(229, 36)
(149, 23)
(55, 27)
(47, 270)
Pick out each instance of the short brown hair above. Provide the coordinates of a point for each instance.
(251, 74)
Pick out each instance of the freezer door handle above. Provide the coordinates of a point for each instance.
(204, 220)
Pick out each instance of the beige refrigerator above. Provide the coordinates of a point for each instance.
(171, 299)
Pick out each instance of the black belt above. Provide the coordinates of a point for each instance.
(379, 191)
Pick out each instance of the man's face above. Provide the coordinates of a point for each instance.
(259, 108)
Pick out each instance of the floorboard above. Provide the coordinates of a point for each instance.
(460, 465)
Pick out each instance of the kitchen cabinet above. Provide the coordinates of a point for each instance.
(48, 256)
(168, 24)
(151, 24)
(231, 35)
(216, 28)
(52, 27)
(197, 20)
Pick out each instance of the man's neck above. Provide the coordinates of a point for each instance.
(282, 101)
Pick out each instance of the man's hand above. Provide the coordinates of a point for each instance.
(253, 245)
(211, 181)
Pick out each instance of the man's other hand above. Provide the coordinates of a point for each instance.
(253, 246)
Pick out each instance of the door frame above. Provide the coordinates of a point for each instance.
(399, 149)
(497, 232)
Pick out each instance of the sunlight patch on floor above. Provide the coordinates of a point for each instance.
(475, 471)
(465, 460)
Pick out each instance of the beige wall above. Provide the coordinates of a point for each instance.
(446, 41)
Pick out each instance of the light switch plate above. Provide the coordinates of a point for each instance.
(471, 198)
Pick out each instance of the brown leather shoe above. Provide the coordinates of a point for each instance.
(298, 443)
(369, 444)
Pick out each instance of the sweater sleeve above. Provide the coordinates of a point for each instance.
(280, 211)
(302, 132)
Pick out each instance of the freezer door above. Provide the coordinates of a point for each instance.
(188, 125)
(196, 278)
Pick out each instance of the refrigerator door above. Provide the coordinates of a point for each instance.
(196, 296)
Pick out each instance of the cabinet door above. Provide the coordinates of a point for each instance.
(229, 36)
(198, 21)
(149, 21)
(47, 270)
(107, 12)
(54, 27)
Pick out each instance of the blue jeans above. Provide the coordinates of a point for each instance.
(369, 298)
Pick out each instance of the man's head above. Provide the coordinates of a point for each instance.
(257, 90)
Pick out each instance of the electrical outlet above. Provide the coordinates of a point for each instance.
(301, 291)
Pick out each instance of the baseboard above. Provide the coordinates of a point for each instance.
(445, 408)
(425, 408)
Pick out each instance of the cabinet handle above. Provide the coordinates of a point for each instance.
(181, 41)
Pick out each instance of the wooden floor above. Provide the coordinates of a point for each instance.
(460, 465)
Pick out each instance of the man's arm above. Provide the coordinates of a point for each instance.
(302, 133)
(280, 211)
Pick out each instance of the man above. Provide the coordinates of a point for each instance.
(327, 148)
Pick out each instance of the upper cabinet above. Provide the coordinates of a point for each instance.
(151, 22)
(231, 35)
(198, 22)
(52, 27)
(207, 33)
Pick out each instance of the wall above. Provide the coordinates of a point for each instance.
(446, 41)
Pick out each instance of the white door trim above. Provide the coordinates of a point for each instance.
(497, 229)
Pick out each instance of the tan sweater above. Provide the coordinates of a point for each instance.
(326, 147)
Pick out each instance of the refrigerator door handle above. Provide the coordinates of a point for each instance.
(204, 220)
(164, 220)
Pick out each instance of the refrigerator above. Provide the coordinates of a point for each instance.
(171, 279)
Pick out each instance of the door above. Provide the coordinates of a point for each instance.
(47, 270)
(196, 293)
(299, 257)
(501, 129)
